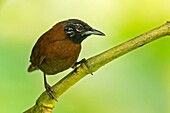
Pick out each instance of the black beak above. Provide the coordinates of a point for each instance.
(93, 32)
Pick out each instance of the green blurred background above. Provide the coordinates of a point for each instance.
(138, 82)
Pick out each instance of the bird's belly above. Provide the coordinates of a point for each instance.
(58, 61)
(51, 67)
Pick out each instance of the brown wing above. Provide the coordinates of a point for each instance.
(39, 51)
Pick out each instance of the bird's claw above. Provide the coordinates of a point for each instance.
(50, 91)
(85, 63)
(82, 61)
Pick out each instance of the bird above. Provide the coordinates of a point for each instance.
(58, 48)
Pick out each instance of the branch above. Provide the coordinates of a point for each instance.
(45, 105)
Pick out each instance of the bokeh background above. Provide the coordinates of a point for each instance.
(138, 82)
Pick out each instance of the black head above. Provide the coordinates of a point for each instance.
(78, 30)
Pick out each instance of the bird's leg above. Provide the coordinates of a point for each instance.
(75, 65)
(48, 88)
(78, 63)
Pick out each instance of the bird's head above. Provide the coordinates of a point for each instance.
(77, 30)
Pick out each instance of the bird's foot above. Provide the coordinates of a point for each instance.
(80, 62)
(50, 91)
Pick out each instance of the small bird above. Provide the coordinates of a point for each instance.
(58, 49)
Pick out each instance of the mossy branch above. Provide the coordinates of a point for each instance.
(45, 105)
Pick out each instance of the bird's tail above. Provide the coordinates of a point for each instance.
(32, 68)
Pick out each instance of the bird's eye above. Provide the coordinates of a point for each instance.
(79, 27)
